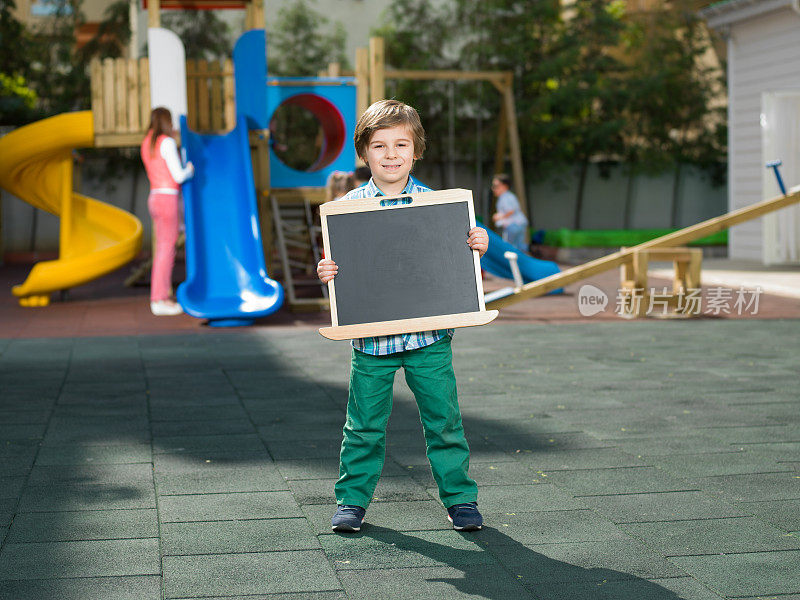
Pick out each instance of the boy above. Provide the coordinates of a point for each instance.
(389, 137)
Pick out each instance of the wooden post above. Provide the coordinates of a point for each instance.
(500, 151)
(132, 77)
(154, 13)
(259, 154)
(203, 108)
(96, 70)
(108, 95)
(377, 69)
(120, 95)
(259, 19)
(192, 86)
(133, 20)
(635, 298)
(144, 92)
(229, 92)
(362, 81)
(254, 15)
(640, 297)
(513, 139)
(216, 97)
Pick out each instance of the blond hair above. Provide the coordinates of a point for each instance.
(384, 114)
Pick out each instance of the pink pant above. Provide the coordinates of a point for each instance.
(164, 210)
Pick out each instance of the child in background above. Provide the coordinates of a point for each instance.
(362, 175)
(339, 183)
(509, 214)
(389, 137)
(165, 172)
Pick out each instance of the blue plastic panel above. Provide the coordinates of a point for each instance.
(226, 278)
(250, 74)
(530, 268)
(335, 108)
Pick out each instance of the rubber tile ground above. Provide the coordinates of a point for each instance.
(615, 460)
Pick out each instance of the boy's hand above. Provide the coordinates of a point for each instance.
(478, 240)
(326, 270)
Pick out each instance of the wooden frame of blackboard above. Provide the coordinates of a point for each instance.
(410, 325)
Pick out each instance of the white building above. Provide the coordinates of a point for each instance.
(763, 47)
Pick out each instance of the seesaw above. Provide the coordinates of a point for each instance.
(676, 238)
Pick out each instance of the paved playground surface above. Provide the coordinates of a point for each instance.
(106, 307)
(648, 460)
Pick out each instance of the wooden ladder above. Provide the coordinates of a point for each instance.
(298, 232)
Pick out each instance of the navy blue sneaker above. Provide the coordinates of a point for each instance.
(348, 518)
(465, 517)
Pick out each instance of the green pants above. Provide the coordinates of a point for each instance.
(429, 374)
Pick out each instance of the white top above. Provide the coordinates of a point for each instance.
(169, 152)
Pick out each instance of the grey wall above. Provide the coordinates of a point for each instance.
(551, 204)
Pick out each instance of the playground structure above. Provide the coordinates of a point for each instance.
(218, 96)
(635, 293)
(626, 256)
(36, 164)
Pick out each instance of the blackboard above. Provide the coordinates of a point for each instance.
(404, 267)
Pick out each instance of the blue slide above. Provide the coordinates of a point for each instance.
(531, 268)
(226, 278)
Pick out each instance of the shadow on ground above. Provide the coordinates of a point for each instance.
(514, 570)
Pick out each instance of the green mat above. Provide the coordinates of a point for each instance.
(568, 238)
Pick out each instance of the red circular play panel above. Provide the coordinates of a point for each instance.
(331, 121)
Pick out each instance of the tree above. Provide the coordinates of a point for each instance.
(565, 81)
(41, 64)
(592, 82)
(58, 77)
(112, 36)
(585, 102)
(301, 42)
(204, 35)
(672, 92)
(409, 46)
(17, 98)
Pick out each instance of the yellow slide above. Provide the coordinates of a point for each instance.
(95, 237)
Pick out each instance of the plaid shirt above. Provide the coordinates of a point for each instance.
(383, 345)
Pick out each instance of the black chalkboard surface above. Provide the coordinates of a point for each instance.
(404, 267)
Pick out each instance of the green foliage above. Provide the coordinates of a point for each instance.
(17, 100)
(44, 60)
(113, 34)
(411, 46)
(301, 41)
(673, 119)
(14, 86)
(204, 35)
(60, 80)
(15, 41)
(591, 82)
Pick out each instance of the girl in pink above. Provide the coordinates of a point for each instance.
(165, 172)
